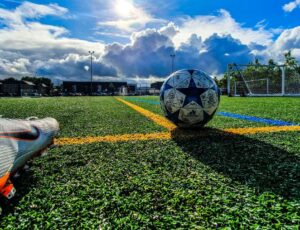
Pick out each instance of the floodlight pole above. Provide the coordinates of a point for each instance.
(228, 78)
(91, 53)
(172, 57)
(283, 80)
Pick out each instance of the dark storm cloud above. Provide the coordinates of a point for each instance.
(213, 55)
(75, 67)
(222, 50)
(149, 54)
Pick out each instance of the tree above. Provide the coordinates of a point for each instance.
(256, 62)
(38, 80)
(271, 62)
(222, 82)
(290, 61)
(111, 87)
(39, 83)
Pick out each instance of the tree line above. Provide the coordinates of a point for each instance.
(256, 70)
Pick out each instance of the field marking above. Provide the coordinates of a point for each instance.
(112, 138)
(154, 117)
(256, 119)
(232, 115)
(177, 134)
(268, 129)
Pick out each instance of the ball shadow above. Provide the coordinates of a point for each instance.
(249, 161)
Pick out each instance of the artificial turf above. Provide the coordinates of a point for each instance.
(224, 181)
(81, 116)
(276, 108)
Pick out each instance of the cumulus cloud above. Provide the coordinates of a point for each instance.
(30, 40)
(170, 30)
(222, 50)
(289, 7)
(213, 54)
(14, 67)
(221, 24)
(41, 41)
(74, 67)
(148, 54)
(288, 40)
(28, 10)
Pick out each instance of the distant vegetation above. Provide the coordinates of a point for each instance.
(257, 70)
(38, 80)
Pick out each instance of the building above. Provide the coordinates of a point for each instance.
(13, 87)
(143, 90)
(157, 85)
(28, 89)
(98, 88)
(132, 89)
(43, 89)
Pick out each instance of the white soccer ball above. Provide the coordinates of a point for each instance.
(189, 98)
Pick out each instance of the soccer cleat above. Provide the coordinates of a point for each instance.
(20, 141)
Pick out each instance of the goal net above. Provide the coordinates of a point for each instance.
(262, 80)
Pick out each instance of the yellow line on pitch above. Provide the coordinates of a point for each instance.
(178, 134)
(112, 138)
(269, 129)
(154, 117)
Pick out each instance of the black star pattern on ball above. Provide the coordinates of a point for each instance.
(192, 93)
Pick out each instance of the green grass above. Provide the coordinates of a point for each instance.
(81, 116)
(277, 108)
(225, 181)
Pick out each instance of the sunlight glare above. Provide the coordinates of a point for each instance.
(124, 8)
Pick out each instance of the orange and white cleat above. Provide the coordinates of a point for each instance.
(20, 141)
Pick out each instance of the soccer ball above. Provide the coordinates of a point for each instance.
(189, 98)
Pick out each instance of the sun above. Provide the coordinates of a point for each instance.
(124, 8)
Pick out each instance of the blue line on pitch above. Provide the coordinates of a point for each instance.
(231, 115)
(256, 119)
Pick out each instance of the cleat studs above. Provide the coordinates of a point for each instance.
(26, 167)
(17, 174)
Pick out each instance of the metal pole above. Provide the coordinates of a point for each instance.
(20, 85)
(91, 87)
(283, 81)
(91, 73)
(235, 88)
(140, 89)
(228, 79)
(172, 57)
(267, 85)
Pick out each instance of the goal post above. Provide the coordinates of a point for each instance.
(262, 86)
(262, 80)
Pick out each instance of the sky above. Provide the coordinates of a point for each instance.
(133, 39)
